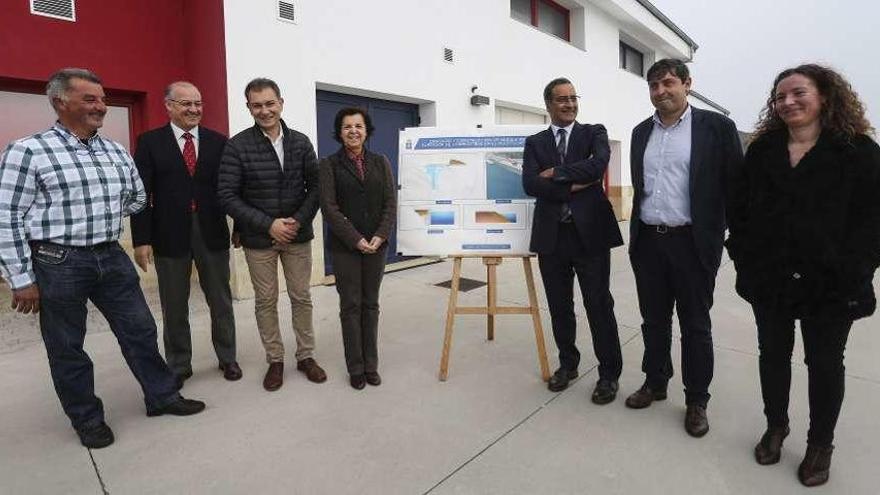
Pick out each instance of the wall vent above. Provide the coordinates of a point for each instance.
(287, 12)
(448, 55)
(56, 9)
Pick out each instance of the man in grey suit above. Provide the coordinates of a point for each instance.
(681, 159)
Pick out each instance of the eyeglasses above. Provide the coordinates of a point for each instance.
(187, 104)
(566, 99)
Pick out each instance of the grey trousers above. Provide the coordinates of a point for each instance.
(358, 277)
(174, 284)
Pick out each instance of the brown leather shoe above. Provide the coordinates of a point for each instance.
(644, 396)
(769, 449)
(274, 377)
(231, 371)
(816, 466)
(312, 371)
(696, 423)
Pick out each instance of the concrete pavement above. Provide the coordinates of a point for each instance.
(492, 428)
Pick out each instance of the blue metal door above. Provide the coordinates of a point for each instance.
(388, 118)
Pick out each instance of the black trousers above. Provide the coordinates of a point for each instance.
(824, 343)
(358, 278)
(669, 275)
(174, 284)
(593, 271)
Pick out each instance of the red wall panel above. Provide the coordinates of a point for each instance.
(136, 47)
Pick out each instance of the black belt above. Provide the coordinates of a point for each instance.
(665, 229)
(101, 246)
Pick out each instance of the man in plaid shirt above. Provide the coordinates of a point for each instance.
(63, 195)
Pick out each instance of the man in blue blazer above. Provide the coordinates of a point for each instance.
(573, 231)
(183, 222)
(681, 158)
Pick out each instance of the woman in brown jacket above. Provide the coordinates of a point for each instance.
(359, 203)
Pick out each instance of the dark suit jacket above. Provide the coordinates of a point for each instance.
(585, 161)
(716, 156)
(165, 223)
(355, 208)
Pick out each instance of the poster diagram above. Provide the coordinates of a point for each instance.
(460, 191)
(442, 176)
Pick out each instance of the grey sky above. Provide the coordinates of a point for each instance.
(745, 43)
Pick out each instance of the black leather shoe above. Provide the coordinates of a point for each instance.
(644, 396)
(357, 382)
(816, 466)
(696, 423)
(373, 378)
(96, 437)
(769, 449)
(182, 407)
(605, 391)
(231, 371)
(559, 381)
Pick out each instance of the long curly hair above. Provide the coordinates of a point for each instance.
(842, 112)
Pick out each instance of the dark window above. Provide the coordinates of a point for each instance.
(632, 60)
(546, 15)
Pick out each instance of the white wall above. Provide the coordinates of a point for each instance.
(394, 49)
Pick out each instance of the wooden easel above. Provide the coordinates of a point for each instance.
(491, 309)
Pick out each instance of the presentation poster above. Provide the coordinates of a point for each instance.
(461, 191)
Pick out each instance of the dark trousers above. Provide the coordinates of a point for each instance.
(669, 275)
(106, 277)
(824, 343)
(593, 272)
(358, 278)
(174, 283)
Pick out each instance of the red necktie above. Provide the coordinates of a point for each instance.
(189, 156)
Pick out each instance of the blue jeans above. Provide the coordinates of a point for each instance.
(67, 278)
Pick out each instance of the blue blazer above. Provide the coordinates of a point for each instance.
(585, 162)
(716, 157)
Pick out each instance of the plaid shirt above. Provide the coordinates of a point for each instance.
(55, 188)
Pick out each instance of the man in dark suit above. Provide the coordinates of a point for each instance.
(573, 232)
(182, 223)
(681, 158)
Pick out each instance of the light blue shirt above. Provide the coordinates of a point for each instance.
(667, 163)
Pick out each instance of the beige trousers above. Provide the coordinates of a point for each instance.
(296, 261)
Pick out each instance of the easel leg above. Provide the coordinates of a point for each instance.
(536, 318)
(492, 295)
(450, 317)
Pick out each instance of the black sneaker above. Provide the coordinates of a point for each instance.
(96, 437)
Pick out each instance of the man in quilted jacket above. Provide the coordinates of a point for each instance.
(268, 182)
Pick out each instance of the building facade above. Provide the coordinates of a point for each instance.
(410, 63)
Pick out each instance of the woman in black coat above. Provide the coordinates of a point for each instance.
(805, 240)
(359, 203)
